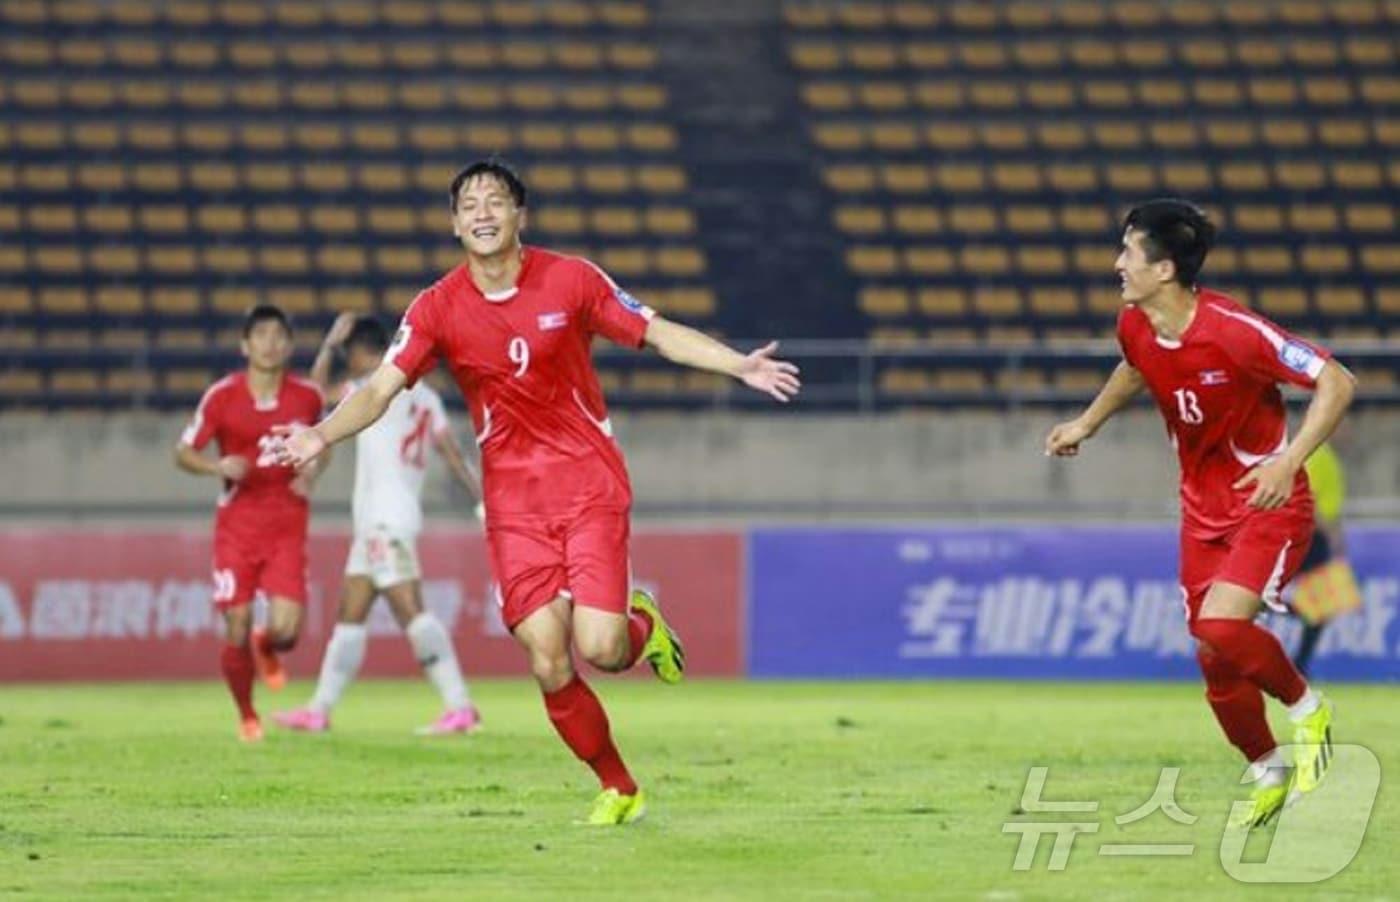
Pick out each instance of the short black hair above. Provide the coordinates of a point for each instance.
(368, 333)
(262, 313)
(1173, 229)
(492, 167)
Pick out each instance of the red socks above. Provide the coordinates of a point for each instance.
(237, 665)
(1255, 654)
(1238, 705)
(639, 627)
(579, 718)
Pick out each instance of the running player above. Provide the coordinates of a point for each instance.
(389, 470)
(514, 325)
(260, 526)
(1214, 369)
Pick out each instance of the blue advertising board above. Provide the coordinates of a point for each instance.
(1029, 602)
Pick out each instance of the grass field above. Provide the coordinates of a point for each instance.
(758, 790)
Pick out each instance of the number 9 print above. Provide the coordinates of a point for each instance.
(519, 353)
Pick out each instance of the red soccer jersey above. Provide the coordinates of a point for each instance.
(1218, 390)
(522, 360)
(229, 413)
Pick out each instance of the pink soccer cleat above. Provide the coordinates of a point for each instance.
(303, 720)
(463, 720)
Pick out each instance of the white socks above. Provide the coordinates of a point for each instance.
(1304, 706)
(433, 649)
(344, 654)
(1270, 770)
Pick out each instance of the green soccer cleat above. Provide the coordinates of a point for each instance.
(1264, 803)
(1312, 739)
(612, 808)
(663, 650)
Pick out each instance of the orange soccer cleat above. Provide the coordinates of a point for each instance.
(250, 730)
(266, 662)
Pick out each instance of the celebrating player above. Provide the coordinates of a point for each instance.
(389, 470)
(1214, 369)
(514, 325)
(260, 526)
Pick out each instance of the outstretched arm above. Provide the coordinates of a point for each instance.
(758, 370)
(1122, 386)
(356, 413)
(230, 467)
(1273, 481)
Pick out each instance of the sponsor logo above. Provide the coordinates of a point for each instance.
(1297, 356)
(1214, 377)
(550, 321)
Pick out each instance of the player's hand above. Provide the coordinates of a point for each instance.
(340, 329)
(761, 372)
(298, 444)
(1064, 440)
(1273, 484)
(233, 468)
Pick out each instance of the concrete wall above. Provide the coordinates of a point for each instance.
(927, 464)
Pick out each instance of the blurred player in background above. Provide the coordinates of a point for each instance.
(260, 526)
(514, 324)
(1214, 369)
(1326, 585)
(390, 463)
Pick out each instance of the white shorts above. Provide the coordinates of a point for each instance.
(387, 558)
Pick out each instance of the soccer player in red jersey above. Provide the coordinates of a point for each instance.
(1214, 368)
(260, 525)
(514, 325)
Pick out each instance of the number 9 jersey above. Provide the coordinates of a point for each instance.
(522, 359)
(1218, 390)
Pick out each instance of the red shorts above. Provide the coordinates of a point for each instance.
(274, 561)
(1262, 555)
(581, 556)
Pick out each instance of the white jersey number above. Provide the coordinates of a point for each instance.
(1189, 406)
(519, 353)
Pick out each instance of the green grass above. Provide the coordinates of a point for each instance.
(758, 790)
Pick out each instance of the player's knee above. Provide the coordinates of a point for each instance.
(551, 671)
(283, 640)
(606, 651)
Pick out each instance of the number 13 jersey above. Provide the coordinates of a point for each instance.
(1218, 390)
(522, 359)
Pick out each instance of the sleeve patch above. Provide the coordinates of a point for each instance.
(1298, 357)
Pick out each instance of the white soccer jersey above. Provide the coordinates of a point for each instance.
(391, 458)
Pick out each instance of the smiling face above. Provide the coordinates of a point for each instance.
(268, 345)
(1140, 277)
(487, 220)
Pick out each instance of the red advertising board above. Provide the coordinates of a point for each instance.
(128, 604)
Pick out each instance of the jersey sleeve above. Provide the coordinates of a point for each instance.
(414, 349)
(1271, 354)
(610, 311)
(205, 423)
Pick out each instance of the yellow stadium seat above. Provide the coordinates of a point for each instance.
(1231, 133)
(918, 220)
(1340, 300)
(866, 260)
(1027, 16)
(1096, 260)
(1205, 54)
(1004, 136)
(1300, 175)
(1259, 54)
(982, 55)
(278, 219)
(600, 137)
(1041, 260)
(101, 136)
(342, 259)
(1092, 54)
(1070, 178)
(45, 178)
(16, 299)
(995, 95)
(920, 55)
(1357, 175)
(872, 56)
(283, 260)
(1146, 54)
(1283, 301)
(129, 382)
(174, 301)
(53, 219)
(375, 137)
(1381, 258)
(651, 137)
(1366, 52)
(1388, 300)
(607, 179)
(1223, 261)
(1371, 217)
(1173, 134)
(172, 260)
(1061, 136)
(1217, 92)
(1376, 90)
(961, 178)
(579, 56)
(894, 136)
(37, 94)
(940, 95)
(1118, 136)
(680, 261)
(1268, 260)
(1257, 218)
(973, 220)
(13, 258)
(1355, 12)
(1273, 92)
(168, 219)
(1165, 94)
(119, 300)
(884, 96)
(261, 94)
(860, 220)
(251, 54)
(57, 259)
(984, 259)
(815, 57)
(615, 221)
(63, 301)
(1311, 219)
(1039, 54)
(1326, 258)
(1328, 91)
(942, 301)
(1244, 176)
(1287, 133)
(929, 261)
(228, 259)
(1082, 15)
(659, 179)
(884, 302)
(1030, 220)
(670, 221)
(625, 261)
(1053, 302)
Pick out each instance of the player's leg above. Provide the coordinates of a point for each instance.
(615, 625)
(1264, 556)
(340, 663)
(432, 647)
(236, 664)
(576, 713)
(283, 579)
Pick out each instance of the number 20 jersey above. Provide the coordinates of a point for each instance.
(522, 359)
(1217, 388)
